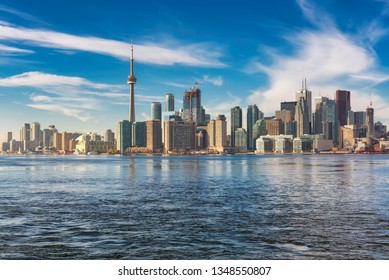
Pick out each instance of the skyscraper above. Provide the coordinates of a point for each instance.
(342, 105)
(169, 107)
(109, 136)
(252, 117)
(139, 134)
(236, 122)
(8, 136)
(124, 135)
(217, 133)
(156, 111)
(307, 95)
(192, 105)
(370, 128)
(132, 81)
(302, 117)
(36, 133)
(25, 133)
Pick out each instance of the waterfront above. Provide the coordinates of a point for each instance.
(194, 207)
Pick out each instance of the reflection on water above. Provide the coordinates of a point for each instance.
(194, 207)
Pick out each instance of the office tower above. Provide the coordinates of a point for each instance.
(169, 107)
(302, 117)
(156, 111)
(25, 132)
(47, 138)
(202, 116)
(36, 133)
(154, 135)
(217, 133)
(307, 95)
(291, 128)
(236, 122)
(370, 128)
(359, 118)
(57, 141)
(240, 139)
(286, 116)
(379, 129)
(8, 136)
(350, 118)
(109, 136)
(252, 117)
(290, 106)
(124, 136)
(342, 99)
(179, 135)
(192, 105)
(132, 81)
(66, 137)
(326, 121)
(259, 129)
(139, 134)
(275, 126)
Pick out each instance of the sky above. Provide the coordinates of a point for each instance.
(66, 62)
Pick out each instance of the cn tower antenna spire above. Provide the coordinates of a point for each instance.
(132, 81)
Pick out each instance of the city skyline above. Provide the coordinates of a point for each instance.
(72, 72)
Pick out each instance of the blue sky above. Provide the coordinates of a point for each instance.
(66, 62)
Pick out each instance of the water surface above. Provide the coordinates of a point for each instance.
(194, 207)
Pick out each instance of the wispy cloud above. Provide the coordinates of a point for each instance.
(71, 96)
(200, 54)
(328, 58)
(216, 81)
(7, 50)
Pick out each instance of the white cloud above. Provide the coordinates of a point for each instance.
(329, 60)
(216, 81)
(201, 54)
(13, 51)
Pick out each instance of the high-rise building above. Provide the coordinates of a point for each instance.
(47, 139)
(139, 134)
(179, 135)
(252, 117)
(25, 132)
(8, 136)
(326, 121)
(236, 122)
(156, 111)
(240, 140)
(109, 136)
(124, 136)
(307, 95)
(66, 137)
(192, 105)
(154, 135)
(290, 106)
(275, 126)
(259, 129)
(36, 133)
(343, 105)
(360, 118)
(217, 133)
(132, 81)
(57, 141)
(370, 128)
(169, 107)
(302, 117)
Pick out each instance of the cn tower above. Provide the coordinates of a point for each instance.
(132, 81)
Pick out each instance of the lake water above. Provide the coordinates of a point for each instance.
(194, 207)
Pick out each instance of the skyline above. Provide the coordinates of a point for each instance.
(71, 68)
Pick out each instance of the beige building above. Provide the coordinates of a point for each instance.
(348, 135)
(154, 135)
(217, 134)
